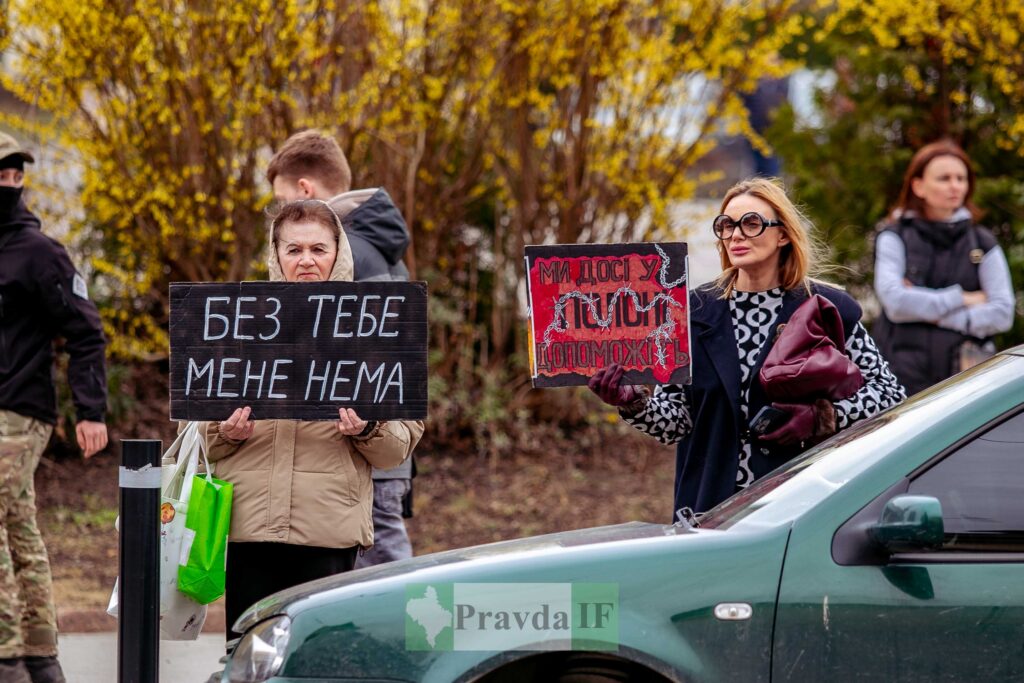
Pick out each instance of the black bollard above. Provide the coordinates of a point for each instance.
(138, 642)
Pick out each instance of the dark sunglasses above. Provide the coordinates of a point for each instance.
(751, 225)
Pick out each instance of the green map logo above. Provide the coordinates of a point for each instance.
(429, 616)
(506, 616)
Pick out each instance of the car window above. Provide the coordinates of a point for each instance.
(981, 489)
(803, 483)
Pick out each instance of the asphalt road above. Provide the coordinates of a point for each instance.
(92, 658)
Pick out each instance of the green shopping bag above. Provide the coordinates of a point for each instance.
(202, 566)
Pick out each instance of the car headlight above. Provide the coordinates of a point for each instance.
(260, 652)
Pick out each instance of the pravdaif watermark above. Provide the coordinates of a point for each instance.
(512, 616)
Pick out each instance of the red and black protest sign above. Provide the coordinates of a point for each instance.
(299, 350)
(592, 305)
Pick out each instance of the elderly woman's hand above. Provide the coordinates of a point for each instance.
(238, 427)
(349, 423)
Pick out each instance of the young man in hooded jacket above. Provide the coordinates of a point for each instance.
(310, 165)
(42, 296)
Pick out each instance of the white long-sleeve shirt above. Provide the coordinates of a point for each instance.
(943, 307)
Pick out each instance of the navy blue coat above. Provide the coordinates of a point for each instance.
(708, 457)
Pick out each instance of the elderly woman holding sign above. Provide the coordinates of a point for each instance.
(728, 429)
(302, 490)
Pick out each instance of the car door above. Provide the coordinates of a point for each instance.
(954, 613)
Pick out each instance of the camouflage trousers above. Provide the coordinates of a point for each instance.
(28, 620)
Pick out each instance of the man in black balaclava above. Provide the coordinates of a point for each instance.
(42, 297)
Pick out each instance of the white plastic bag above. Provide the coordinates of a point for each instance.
(181, 617)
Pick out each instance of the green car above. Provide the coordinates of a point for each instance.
(893, 551)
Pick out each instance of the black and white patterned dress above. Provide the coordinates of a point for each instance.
(753, 315)
(666, 414)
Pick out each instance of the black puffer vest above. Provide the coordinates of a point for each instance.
(938, 255)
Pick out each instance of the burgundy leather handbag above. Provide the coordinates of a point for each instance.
(808, 360)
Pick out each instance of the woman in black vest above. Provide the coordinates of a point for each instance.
(942, 280)
(767, 257)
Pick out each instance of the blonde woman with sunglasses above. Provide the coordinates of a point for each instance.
(768, 258)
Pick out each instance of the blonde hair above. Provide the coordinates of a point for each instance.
(800, 260)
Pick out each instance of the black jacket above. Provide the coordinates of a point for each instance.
(707, 458)
(378, 237)
(376, 233)
(43, 297)
(938, 255)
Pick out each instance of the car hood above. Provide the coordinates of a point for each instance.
(504, 550)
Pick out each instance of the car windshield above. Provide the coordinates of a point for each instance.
(802, 483)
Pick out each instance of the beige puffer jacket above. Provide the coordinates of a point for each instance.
(303, 482)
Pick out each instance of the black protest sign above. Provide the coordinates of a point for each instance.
(299, 350)
(592, 305)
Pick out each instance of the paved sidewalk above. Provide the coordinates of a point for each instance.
(92, 658)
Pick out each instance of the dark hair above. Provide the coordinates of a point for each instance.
(908, 201)
(311, 210)
(311, 154)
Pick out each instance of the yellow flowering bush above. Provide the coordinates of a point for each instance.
(168, 109)
(979, 39)
(493, 124)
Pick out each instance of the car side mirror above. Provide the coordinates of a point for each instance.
(909, 523)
